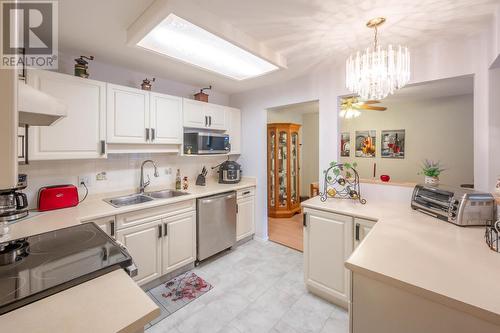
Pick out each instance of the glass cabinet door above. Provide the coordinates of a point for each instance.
(283, 168)
(294, 168)
(272, 169)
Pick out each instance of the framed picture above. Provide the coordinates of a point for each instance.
(365, 143)
(393, 143)
(345, 144)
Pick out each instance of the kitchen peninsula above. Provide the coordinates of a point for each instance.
(407, 258)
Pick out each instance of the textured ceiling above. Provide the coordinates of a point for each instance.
(307, 33)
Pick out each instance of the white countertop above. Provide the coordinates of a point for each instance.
(94, 207)
(432, 258)
(109, 303)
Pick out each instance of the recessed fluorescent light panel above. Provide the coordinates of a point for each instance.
(182, 40)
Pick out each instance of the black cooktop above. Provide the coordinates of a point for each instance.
(35, 267)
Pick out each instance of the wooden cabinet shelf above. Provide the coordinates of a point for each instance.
(283, 169)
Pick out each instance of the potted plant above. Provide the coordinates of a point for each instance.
(431, 170)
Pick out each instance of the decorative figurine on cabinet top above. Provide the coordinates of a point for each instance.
(147, 84)
(82, 66)
(342, 181)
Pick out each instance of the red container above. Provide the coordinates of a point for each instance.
(385, 178)
(57, 197)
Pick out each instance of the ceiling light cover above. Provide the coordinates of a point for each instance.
(182, 40)
(378, 72)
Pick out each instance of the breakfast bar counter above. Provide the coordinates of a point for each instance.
(423, 255)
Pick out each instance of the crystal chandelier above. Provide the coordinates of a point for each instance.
(378, 72)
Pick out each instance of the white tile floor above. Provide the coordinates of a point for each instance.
(258, 287)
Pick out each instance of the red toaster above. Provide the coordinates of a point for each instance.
(57, 197)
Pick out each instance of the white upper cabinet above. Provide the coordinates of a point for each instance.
(234, 120)
(165, 119)
(216, 116)
(127, 114)
(204, 115)
(81, 133)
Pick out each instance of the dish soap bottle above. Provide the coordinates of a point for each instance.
(178, 180)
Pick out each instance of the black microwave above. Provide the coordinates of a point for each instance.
(201, 143)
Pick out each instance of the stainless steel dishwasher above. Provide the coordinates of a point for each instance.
(215, 224)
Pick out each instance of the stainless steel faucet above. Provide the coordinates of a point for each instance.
(142, 184)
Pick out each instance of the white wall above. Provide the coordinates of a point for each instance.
(310, 151)
(439, 129)
(122, 171)
(443, 59)
(106, 72)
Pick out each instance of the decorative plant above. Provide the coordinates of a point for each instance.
(431, 168)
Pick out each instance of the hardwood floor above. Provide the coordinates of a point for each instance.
(287, 231)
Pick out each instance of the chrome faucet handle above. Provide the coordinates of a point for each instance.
(147, 182)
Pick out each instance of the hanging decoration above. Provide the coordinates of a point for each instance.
(375, 73)
(342, 181)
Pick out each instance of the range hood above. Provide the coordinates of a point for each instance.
(37, 108)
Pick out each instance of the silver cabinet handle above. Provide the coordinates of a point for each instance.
(206, 121)
(103, 147)
(210, 121)
(112, 227)
(357, 231)
(147, 134)
(159, 231)
(165, 230)
(153, 135)
(247, 192)
(304, 220)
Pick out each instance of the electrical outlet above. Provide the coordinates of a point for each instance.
(101, 176)
(168, 171)
(83, 179)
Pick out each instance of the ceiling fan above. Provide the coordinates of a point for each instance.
(350, 107)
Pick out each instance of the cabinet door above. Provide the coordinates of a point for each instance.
(234, 129)
(217, 116)
(194, 114)
(79, 134)
(179, 241)
(361, 228)
(128, 114)
(245, 223)
(166, 119)
(327, 245)
(107, 224)
(143, 242)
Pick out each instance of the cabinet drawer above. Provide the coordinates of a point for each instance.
(144, 215)
(246, 192)
(107, 224)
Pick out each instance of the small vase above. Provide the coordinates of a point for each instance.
(431, 180)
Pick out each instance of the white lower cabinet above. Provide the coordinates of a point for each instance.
(107, 224)
(179, 242)
(327, 245)
(160, 240)
(144, 242)
(245, 222)
(361, 229)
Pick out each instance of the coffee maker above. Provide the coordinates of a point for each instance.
(14, 204)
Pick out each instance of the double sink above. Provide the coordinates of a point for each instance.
(138, 198)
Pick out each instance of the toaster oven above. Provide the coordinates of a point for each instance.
(455, 205)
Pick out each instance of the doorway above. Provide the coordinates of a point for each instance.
(292, 168)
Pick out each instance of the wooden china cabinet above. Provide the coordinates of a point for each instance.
(283, 192)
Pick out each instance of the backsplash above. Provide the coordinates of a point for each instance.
(122, 172)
